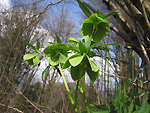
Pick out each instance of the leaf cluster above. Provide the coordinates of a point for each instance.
(94, 29)
(121, 103)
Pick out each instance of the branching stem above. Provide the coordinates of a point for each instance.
(67, 88)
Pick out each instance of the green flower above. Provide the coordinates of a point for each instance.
(57, 53)
(96, 27)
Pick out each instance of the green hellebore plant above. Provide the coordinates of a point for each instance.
(95, 27)
(57, 53)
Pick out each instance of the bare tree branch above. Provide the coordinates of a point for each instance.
(23, 95)
(15, 109)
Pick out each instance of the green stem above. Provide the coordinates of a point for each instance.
(76, 95)
(42, 55)
(83, 94)
(67, 88)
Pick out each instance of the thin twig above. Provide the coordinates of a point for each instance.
(15, 109)
(22, 94)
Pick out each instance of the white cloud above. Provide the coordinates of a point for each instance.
(4, 4)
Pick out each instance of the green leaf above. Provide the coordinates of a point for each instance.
(44, 72)
(82, 47)
(131, 107)
(51, 42)
(93, 75)
(91, 54)
(93, 66)
(56, 46)
(137, 107)
(92, 46)
(103, 30)
(58, 39)
(103, 107)
(147, 109)
(108, 15)
(94, 19)
(53, 62)
(30, 45)
(37, 45)
(141, 94)
(73, 40)
(62, 58)
(67, 64)
(57, 53)
(36, 60)
(95, 27)
(84, 8)
(87, 41)
(28, 56)
(75, 60)
(77, 72)
(97, 12)
(142, 108)
(74, 48)
(100, 111)
(141, 83)
(30, 61)
(86, 29)
(57, 57)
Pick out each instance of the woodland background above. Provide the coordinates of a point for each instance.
(21, 87)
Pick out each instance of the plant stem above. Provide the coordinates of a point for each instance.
(76, 95)
(67, 88)
(83, 94)
(42, 55)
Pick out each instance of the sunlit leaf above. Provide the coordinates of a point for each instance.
(36, 60)
(93, 66)
(73, 40)
(28, 56)
(75, 60)
(62, 58)
(87, 41)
